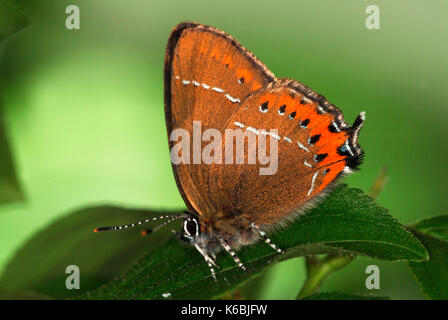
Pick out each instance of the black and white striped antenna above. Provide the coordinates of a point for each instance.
(170, 218)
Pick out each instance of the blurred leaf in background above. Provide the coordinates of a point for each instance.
(10, 189)
(12, 19)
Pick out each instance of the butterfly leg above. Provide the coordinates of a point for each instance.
(266, 238)
(233, 254)
(210, 262)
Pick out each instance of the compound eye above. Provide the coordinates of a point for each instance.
(190, 227)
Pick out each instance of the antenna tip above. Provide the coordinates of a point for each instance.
(146, 232)
(362, 115)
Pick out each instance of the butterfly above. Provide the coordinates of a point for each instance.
(210, 78)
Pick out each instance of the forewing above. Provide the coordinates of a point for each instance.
(207, 74)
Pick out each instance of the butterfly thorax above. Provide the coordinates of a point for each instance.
(210, 232)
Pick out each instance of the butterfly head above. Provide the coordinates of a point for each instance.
(190, 230)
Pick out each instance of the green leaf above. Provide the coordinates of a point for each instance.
(9, 186)
(345, 221)
(39, 266)
(432, 275)
(12, 18)
(342, 296)
(435, 226)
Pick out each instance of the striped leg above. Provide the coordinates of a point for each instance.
(266, 238)
(233, 254)
(208, 260)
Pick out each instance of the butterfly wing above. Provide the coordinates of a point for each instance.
(207, 74)
(314, 143)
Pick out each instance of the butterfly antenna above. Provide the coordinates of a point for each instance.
(160, 226)
(170, 218)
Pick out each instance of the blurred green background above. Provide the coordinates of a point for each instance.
(84, 113)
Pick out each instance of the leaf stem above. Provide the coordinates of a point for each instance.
(319, 269)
